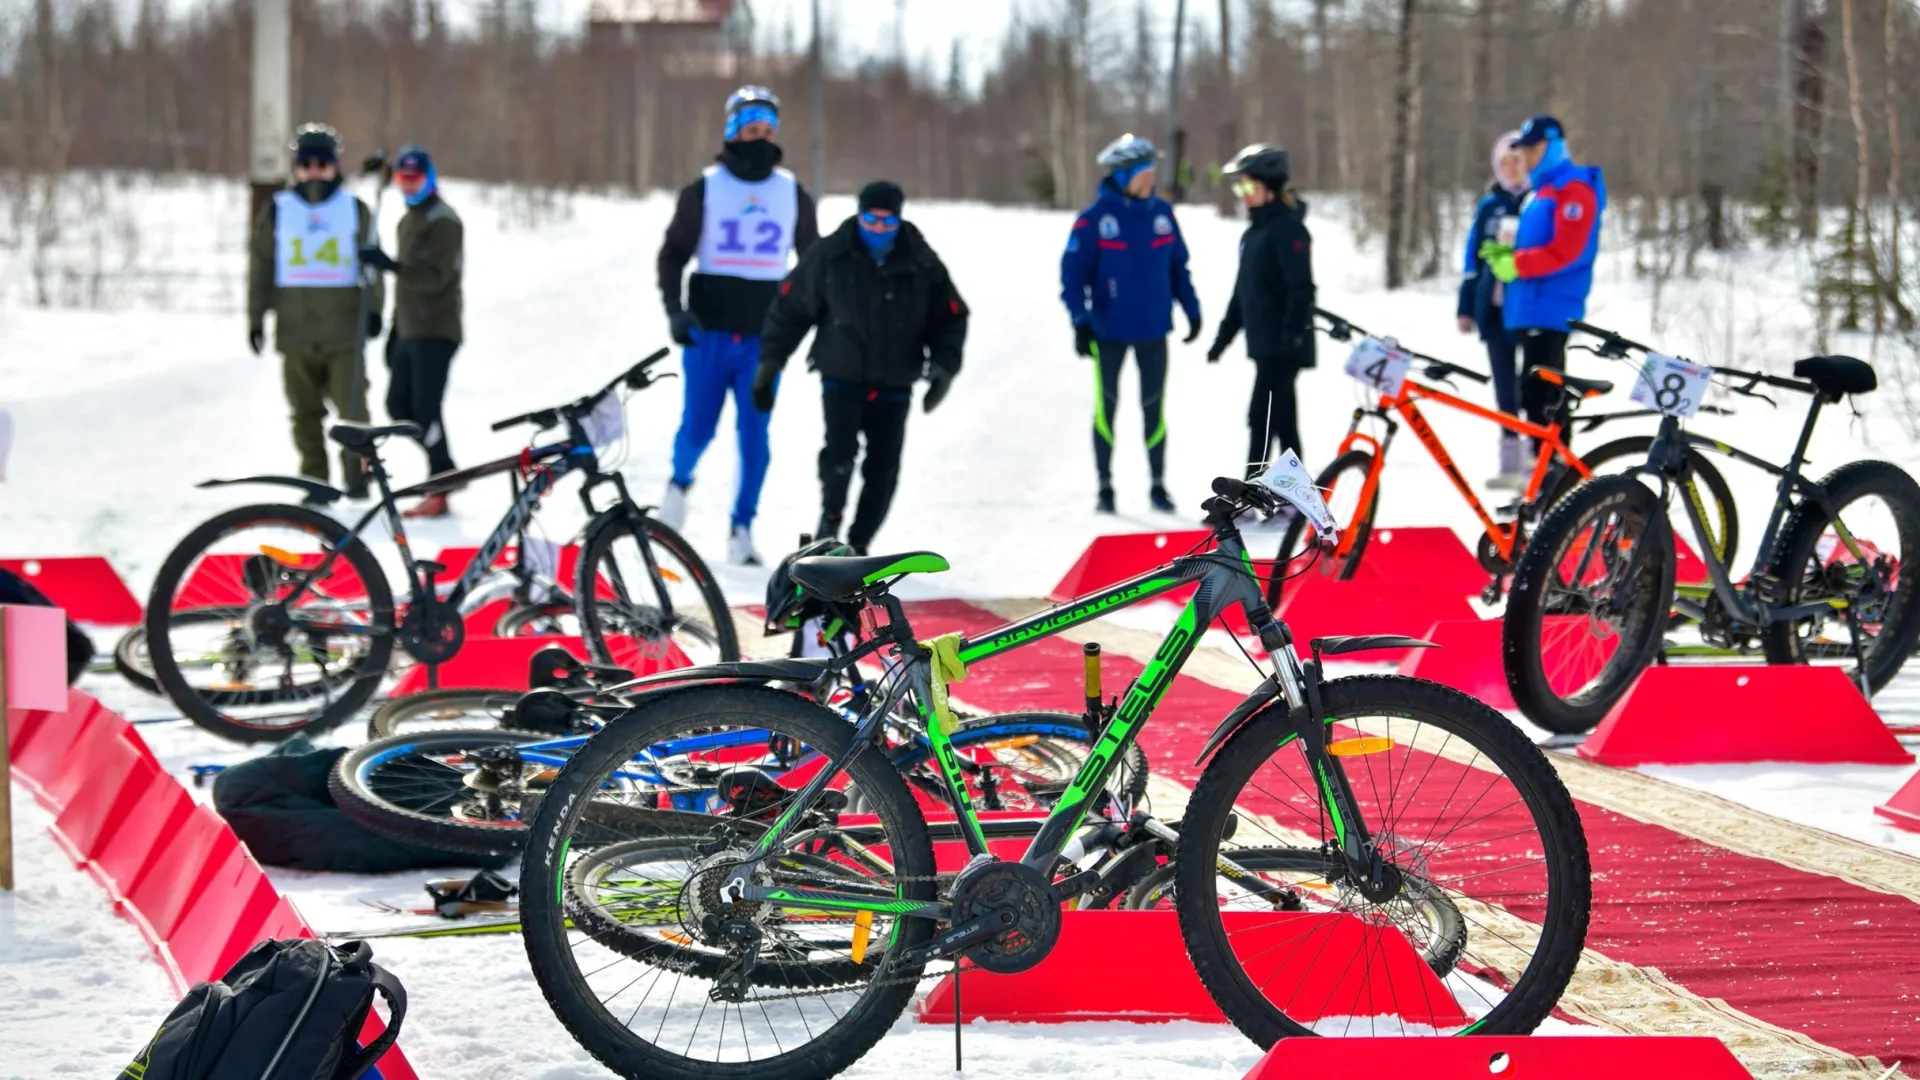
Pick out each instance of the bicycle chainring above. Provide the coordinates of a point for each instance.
(1002, 886)
(432, 631)
(1489, 556)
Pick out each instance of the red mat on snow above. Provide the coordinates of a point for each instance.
(1807, 952)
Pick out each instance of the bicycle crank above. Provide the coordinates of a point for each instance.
(1021, 899)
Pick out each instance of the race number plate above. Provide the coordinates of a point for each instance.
(1288, 478)
(1671, 385)
(1381, 365)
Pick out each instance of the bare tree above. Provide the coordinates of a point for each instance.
(1402, 161)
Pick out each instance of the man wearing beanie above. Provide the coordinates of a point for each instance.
(426, 311)
(887, 315)
(743, 218)
(304, 266)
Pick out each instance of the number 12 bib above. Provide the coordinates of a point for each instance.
(747, 229)
(316, 247)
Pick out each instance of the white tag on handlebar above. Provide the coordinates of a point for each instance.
(1380, 364)
(1671, 385)
(1288, 478)
(606, 425)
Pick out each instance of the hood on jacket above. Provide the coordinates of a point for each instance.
(1501, 147)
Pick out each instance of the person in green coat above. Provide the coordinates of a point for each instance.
(304, 266)
(426, 310)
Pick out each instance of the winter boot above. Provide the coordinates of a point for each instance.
(829, 527)
(740, 547)
(672, 511)
(1513, 476)
(1161, 501)
(429, 506)
(1105, 506)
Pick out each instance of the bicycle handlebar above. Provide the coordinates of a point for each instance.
(1614, 345)
(637, 377)
(1343, 329)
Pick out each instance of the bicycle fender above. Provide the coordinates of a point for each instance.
(1253, 703)
(805, 670)
(323, 492)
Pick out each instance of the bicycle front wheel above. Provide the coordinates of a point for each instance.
(1479, 911)
(435, 710)
(459, 789)
(1342, 482)
(644, 595)
(1717, 507)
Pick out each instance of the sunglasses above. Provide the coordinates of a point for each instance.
(878, 223)
(409, 176)
(1244, 188)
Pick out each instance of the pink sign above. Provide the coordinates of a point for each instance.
(36, 658)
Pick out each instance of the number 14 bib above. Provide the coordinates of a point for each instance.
(747, 229)
(315, 247)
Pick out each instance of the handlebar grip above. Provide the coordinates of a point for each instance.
(512, 422)
(1228, 487)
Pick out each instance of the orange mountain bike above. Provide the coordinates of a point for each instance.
(1351, 482)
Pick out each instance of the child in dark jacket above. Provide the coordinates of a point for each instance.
(1482, 295)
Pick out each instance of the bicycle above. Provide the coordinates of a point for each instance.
(1358, 861)
(1592, 596)
(270, 619)
(1352, 479)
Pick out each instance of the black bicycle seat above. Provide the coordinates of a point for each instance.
(841, 577)
(363, 436)
(1837, 376)
(1573, 384)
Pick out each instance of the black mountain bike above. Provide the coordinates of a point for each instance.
(1594, 598)
(272, 619)
(1330, 818)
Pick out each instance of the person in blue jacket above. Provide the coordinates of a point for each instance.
(1483, 296)
(1548, 269)
(1124, 267)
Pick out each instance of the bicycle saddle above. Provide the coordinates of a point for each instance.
(363, 436)
(1573, 384)
(841, 577)
(1837, 376)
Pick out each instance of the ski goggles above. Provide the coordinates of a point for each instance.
(1245, 187)
(409, 177)
(878, 223)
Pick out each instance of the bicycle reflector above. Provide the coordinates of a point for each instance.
(1360, 746)
(282, 556)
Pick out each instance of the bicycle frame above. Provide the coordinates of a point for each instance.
(1225, 577)
(1505, 538)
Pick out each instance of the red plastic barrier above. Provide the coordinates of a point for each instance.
(1115, 558)
(105, 734)
(457, 559)
(225, 920)
(1696, 714)
(188, 859)
(133, 848)
(40, 757)
(1133, 965)
(1368, 604)
(481, 621)
(1468, 659)
(21, 725)
(502, 662)
(1427, 556)
(1904, 808)
(1505, 1057)
(86, 586)
(121, 777)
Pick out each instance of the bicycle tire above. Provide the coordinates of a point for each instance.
(521, 620)
(601, 534)
(1133, 770)
(1724, 513)
(1352, 460)
(552, 955)
(204, 708)
(1522, 651)
(1798, 549)
(352, 785)
(1528, 999)
(394, 714)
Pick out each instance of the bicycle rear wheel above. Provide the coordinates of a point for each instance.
(1589, 603)
(1717, 508)
(434, 710)
(132, 661)
(250, 643)
(1341, 482)
(644, 595)
(464, 790)
(1475, 832)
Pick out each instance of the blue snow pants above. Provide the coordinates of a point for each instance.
(712, 365)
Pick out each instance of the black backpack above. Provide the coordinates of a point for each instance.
(288, 1010)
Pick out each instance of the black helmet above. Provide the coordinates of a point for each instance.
(1267, 164)
(315, 140)
(787, 607)
(1124, 152)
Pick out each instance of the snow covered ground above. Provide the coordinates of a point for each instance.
(118, 412)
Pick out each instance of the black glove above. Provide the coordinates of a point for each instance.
(373, 325)
(1083, 338)
(256, 338)
(1193, 328)
(379, 260)
(1214, 351)
(681, 326)
(763, 379)
(939, 381)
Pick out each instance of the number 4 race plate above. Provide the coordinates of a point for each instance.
(1671, 385)
(1380, 365)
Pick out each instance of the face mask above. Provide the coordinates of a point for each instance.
(317, 191)
(878, 242)
(757, 157)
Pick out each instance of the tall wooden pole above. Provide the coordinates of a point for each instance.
(1173, 182)
(817, 124)
(272, 100)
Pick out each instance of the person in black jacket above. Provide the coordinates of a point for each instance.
(1272, 298)
(887, 315)
(743, 218)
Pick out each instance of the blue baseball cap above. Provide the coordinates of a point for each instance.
(1539, 129)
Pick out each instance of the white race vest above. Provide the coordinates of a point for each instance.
(747, 229)
(316, 247)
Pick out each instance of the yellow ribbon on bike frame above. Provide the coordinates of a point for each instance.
(944, 654)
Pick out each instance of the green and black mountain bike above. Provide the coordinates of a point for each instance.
(1338, 829)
